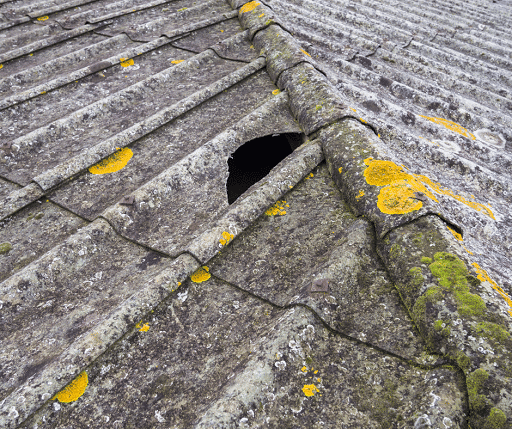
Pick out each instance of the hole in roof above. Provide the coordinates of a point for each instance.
(253, 160)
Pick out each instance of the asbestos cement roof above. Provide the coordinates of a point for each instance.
(365, 282)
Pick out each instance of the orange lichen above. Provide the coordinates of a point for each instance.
(277, 209)
(142, 327)
(125, 62)
(304, 52)
(484, 277)
(1, 66)
(309, 176)
(455, 233)
(247, 7)
(201, 275)
(177, 61)
(397, 196)
(467, 250)
(226, 238)
(353, 109)
(362, 120)
(42, 18)
(451, 126)
(310, 389)
(73, 390)
(113, 163)
(276, 91)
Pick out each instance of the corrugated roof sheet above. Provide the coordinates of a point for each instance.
(116, 123)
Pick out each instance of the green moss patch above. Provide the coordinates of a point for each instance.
(496, 333)
(452, 275)
(496, 419)
(475, 381)
(5, 248)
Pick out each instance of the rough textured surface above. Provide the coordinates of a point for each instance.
(369, 290)
(332, 245)
(248, 364)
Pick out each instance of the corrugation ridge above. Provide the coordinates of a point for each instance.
(442, 70)
(473, 51)
(128, 11)
(88, 157)
(52, 40)
(36, 31)
(335, 19)
(353, 92)
(60, 8)
(462, 62)
(56, 64)
(97, 108)
(446, 81)
(78, 74)
(479, 113)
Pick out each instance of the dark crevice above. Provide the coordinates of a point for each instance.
(252, 161)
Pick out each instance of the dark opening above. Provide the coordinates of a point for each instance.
(254, 160)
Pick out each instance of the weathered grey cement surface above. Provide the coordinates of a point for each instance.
(407, 223)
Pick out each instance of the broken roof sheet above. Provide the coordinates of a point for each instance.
(117, 120)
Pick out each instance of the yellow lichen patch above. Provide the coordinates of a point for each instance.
(398, 198)
(125, 62)
(361, 194)
(309, 176)
(113, 163)
(362, 120)
(310, 389)
(1, 66)
(142, 327)
(353, 109)
(467, 250)
(455, 233)
(451, 126)
(261, 16)
(247, 7)
(177, 61)
(401, 186)
(436, 187)
(304, 52)
(276, 91)
(73, 390)
(42, 18)
(226, 238)
(304, 369)
(278, 209)
(484, 277)
(340, 169)
(201, 275)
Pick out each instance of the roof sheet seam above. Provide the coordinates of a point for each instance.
(414, 361)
